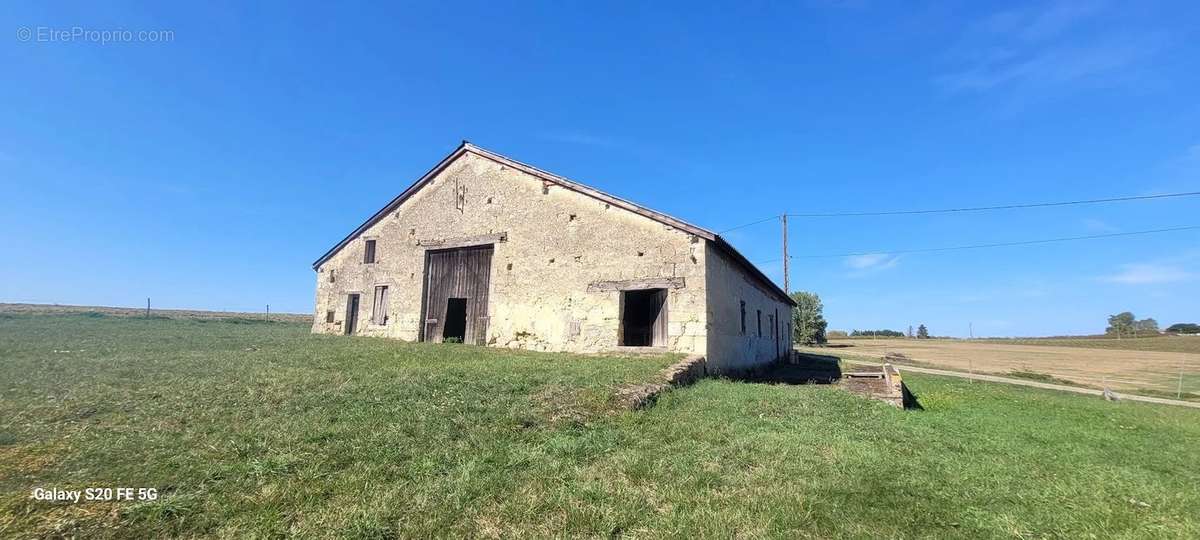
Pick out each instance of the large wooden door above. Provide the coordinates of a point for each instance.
(456, 285)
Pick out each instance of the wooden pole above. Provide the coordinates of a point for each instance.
(268, 312)
(147, 307)
(786, 284)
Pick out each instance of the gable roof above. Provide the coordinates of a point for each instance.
(467, 147)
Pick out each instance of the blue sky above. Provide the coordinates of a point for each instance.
(199, 171)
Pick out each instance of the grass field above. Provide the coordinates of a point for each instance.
(1179, 344)
(1150, 370)
(260, 429)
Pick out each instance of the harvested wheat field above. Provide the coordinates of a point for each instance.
(1132, 371)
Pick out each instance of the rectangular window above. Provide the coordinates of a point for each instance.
(379, 312)
(759, 312)
(771, 324)
(331, 275)
(743, 308)
(329, 316)
(369, 252)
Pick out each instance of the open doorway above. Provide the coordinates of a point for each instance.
(455, 329)
(351, 314)
(643, 318)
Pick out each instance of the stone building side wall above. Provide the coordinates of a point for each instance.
(729, 349)
(558, 242)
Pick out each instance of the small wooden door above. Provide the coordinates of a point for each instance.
(456, 284)
(351, 314)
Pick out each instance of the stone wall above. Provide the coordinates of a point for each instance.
(557, 243)
(730, 350)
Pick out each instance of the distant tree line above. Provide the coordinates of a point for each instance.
(1125, 324)
(876, 333)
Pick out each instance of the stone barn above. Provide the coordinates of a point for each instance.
(486, 250)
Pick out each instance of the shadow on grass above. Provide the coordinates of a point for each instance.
(808, 368)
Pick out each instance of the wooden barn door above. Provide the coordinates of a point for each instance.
(455, 302)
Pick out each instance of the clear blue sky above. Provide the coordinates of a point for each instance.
(209, 171)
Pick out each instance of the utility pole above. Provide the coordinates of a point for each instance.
(971, 330)
(268, 312)
(783, 218)
(147, 307)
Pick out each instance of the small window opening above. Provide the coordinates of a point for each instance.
(369, 252)
(331, 278)
(509, 267)
(643, 318)
(329, 316)
(759, 312)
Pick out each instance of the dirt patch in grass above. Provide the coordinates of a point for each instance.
(1040, 377)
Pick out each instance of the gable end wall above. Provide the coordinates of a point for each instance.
(558, 242)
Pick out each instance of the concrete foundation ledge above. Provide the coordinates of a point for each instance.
(682, 373)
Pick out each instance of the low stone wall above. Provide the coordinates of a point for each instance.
(682, 373)
(885, 385)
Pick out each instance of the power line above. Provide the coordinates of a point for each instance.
(973, 208)
(1001, 207)
(998, 244)
(764, 220)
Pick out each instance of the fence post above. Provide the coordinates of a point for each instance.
(1179, 391)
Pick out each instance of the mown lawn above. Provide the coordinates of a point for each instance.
(259, 429)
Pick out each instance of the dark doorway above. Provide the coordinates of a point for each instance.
(351, 313)
(455, 329)
(643, 318)
(456, 279)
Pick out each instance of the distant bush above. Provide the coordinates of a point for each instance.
(876, 333)
(1184, 328)
(836, 334)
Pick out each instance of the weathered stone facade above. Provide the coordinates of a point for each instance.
(562, 255)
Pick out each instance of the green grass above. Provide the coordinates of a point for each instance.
(265, 430)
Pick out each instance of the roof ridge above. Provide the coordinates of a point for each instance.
(666, 219)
